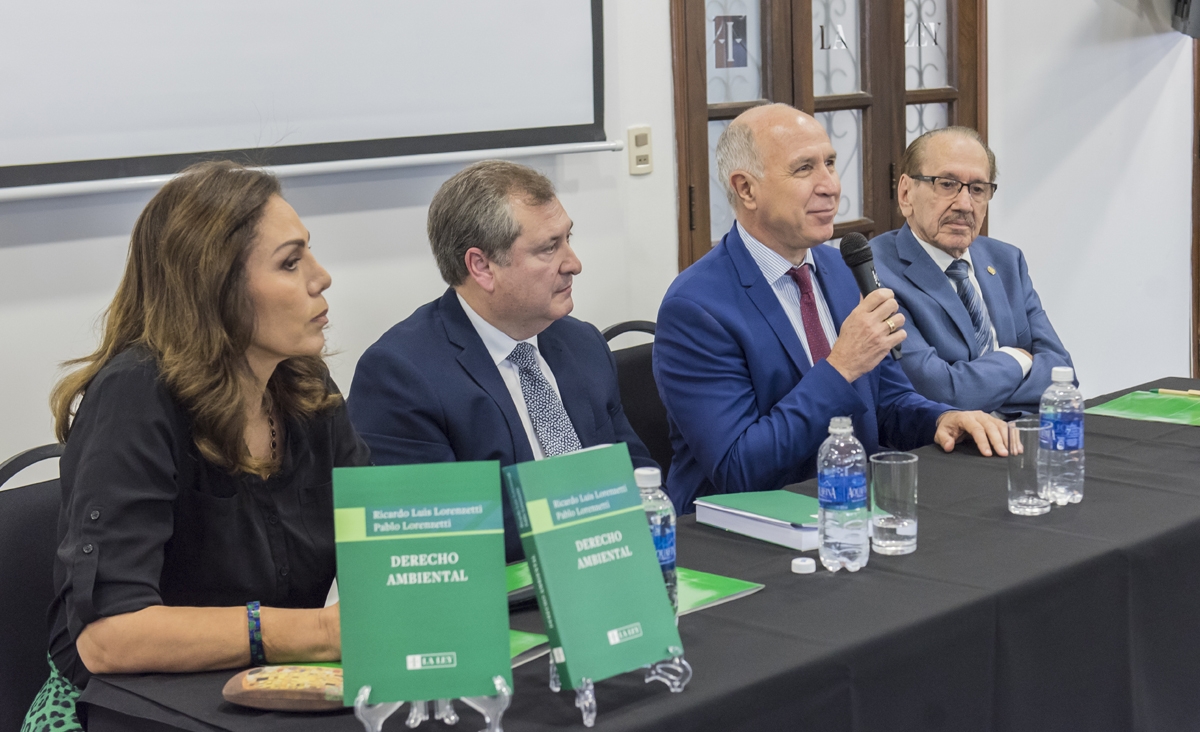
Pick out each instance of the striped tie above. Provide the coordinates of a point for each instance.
(551, 423)
(957, 271)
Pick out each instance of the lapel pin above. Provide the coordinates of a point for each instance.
(991, 270)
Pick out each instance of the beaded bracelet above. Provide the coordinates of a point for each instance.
(258, 656)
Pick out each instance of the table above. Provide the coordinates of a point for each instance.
(1086, 618)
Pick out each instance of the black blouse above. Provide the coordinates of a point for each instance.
(146, 520)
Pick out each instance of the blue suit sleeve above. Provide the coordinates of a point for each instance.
(397, 411)
(1047, 349)
(989, 382)
(985, 383)
(705, 382)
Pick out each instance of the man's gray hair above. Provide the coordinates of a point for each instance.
(736, 150)
(914, 157)
(474, 209)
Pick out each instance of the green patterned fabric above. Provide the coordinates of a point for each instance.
(53, 710)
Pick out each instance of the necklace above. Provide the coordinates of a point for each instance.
(271, 424)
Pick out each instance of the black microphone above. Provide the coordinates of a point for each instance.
(856, 253)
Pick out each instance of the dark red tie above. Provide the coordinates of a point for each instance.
(818, 345)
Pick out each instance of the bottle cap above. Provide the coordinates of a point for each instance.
(804, 565)
(840, 424)
(648, 477)
(1062, 373)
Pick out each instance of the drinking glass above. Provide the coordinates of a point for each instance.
(894, 497)
(1023, 496)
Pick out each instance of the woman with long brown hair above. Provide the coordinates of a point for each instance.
(196, 528)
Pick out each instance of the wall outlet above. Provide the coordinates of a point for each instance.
(641, 156)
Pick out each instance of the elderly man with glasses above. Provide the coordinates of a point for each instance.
(978, 337)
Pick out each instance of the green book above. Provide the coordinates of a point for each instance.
(598, 583)
(1152, 407)
(420, 558)
(698, 590)
(522, 647)
(780, 517)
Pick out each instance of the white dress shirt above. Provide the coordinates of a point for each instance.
(943, 262)
(775, 269)
(499, 345)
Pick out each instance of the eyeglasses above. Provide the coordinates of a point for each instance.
(950, 188)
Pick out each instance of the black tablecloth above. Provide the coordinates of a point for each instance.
(1086, 618)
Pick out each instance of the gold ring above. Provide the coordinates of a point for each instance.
(891, 326)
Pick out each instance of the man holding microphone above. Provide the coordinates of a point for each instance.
(764, 340)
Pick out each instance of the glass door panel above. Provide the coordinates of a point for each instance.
(735, 50)
(720, 213)
(845, 132)
(925, 44)
(921, 118)
(836, 47)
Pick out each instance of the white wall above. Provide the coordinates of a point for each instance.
(1090, 116)
(61, 259)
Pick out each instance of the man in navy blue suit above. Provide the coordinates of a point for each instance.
(978, 337)
(764, 340)
(494, 369)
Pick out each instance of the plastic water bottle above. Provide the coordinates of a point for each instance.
(661, 515)
(842, 495)
(1060, 453)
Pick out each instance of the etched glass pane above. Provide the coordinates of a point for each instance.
(921, 118)
(845, 132)
(836, 52)
(734, 66)
(926, 35)
(720, 213)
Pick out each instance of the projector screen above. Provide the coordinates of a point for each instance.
(98, 90)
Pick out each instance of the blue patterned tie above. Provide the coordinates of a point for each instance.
(957, 271)
(550, 420)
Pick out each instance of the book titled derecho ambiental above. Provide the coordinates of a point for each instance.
(420, 558)
(598, 582)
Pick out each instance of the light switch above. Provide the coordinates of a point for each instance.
(641, 157)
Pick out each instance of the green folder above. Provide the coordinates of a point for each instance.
(697, 590)
(517, 576)
(1152, 407)
(598, 583)
(524, 647)
(420, 559)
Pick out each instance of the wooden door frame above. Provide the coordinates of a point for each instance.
(691, 107)
(687, 65)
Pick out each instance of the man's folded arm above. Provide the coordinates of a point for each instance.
(397, 412)
(985, 383)
(705, 384)
(1047, 349)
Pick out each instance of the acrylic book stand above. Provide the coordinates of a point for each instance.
(492, 708)
(675, 672)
